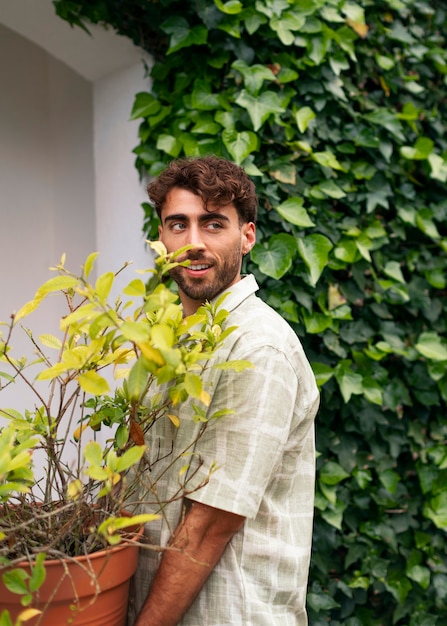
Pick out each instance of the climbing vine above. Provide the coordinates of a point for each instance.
(338, 110)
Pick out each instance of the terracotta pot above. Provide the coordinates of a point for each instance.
(89, 590)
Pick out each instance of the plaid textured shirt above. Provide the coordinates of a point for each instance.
(265, 467)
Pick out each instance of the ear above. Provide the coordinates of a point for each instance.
(248, 237)
(160, 232)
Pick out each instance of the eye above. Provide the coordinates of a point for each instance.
(177, 226)
(214, 226)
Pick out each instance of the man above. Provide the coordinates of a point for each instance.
(240, 544)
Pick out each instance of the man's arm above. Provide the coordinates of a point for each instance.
(202, 536)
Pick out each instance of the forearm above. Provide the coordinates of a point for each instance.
(197, 547)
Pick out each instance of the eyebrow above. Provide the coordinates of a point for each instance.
(205, 217)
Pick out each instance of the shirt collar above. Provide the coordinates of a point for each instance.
(238, 292)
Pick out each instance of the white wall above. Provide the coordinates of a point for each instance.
(67, 177)
(47, 186)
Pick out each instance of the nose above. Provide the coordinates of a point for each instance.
(196, 236)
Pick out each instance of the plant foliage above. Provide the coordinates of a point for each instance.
(338, 110)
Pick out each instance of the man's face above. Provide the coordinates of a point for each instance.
(219, 244)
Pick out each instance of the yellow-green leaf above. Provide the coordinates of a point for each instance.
(104, 284)
(26, 309)
(135, 288)
(89, 263)
(57, 283)
(163, 336)
(92, 382)
(50, 341)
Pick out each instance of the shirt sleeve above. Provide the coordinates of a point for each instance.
(272, 413)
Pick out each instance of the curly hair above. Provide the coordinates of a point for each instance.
(216, 180)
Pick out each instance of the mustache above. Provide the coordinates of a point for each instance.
(195, 255)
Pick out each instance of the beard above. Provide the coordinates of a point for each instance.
(206, 288)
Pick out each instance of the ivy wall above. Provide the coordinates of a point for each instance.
(338, 110)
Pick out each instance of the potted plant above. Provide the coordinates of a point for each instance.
(81, 508)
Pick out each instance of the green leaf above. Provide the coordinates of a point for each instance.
(169, 144)
(145, 105)
(421, 151)
(419, 574)
(137, 381)
(182, 35)
(240, 145)
(15, 580)
(322, 372)
(303, 117)
(321, 601)
(202, 97)
(399, 586)
(438, 167)
(393, 270)
(350, 382)
(331, 189)
(389, 479)
(332, 473)
(388, 120)
(275, 258)
(327, 159)
(231, 7)
(254, 75)
(38, 573)
(431, 346)
(292, 211)
(436, 510)
(260, 108)
(314, 250)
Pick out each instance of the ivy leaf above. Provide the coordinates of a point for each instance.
(169, 144)
(431, 346)
(182, 35)
(275, 259)
(438, 167)
(332, 473)
(331, 189)
(419, 574)
(314, 250)
(292, 211)
(232, 7)
(321, 601)
(303, 118)
(285, 24)
(254, 75)
(388, 120)
(260, 108)
(327, 159)
(240, 145)
(145, 105)
(202, 97)
(350, 383)
(421, 150)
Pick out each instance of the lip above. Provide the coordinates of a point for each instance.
(198, 273)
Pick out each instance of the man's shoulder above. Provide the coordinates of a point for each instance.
(259, 322)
